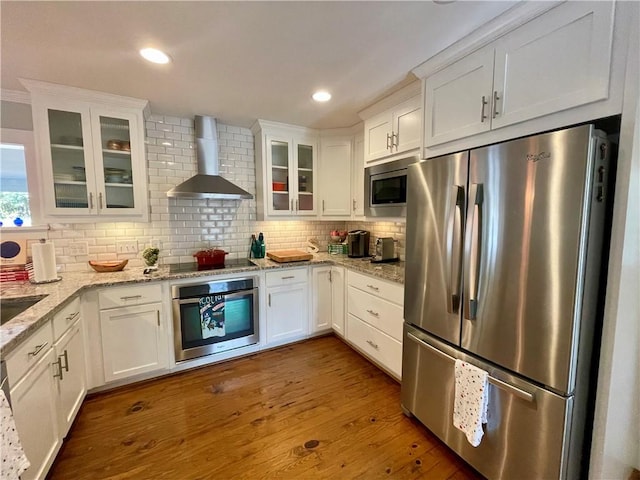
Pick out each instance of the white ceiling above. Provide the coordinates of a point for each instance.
(238, 61)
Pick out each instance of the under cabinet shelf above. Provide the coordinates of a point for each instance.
(69, 182)
(305, 193)
(278, 167)
(127, 185)
(305, 169)
(281, 192)
(123, 153)
(60, 146)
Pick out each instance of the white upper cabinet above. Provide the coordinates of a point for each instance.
(558, 61)
(286, 163)
(457, 99)
(91, 153)
(335, 176)
(357, 177)
(526, 67)
(396, 130)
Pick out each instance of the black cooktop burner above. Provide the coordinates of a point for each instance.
(194, 267)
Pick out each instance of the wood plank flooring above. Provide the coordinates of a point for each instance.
(315, 409)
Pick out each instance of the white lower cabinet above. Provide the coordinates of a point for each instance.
(33, 400)
(71, 375)
(338, 284)
(287, 306)
(374, 320)
(321, 301)
(132, 341)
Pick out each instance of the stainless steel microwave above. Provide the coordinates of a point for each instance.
(385, 188)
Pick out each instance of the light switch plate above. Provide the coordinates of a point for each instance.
(79, 248)
(127, 246)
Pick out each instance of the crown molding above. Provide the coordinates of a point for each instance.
(15, 96)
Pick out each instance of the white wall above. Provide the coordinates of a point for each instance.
(616, 434)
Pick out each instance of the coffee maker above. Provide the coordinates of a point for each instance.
(358, 243)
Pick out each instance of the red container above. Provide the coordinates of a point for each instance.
(279, 186)
(211, 258)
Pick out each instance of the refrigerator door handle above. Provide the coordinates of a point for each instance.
(455, 248)
(473, 247)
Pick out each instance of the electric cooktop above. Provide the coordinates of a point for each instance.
(194, 267)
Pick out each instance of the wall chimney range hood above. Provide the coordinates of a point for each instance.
(207, 183)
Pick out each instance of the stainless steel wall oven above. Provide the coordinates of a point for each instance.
(214, 317)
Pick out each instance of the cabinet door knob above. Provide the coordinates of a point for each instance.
(388, 141)
(372, 287)
(91, 200)
(291, 209)
(38, 349)
(394, 139)
(354, 204)
(495, 104)
(373, 344)
(65, 355)
(100, 200)
(59, 363)
(372, 313)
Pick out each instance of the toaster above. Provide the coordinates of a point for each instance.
(385, 250)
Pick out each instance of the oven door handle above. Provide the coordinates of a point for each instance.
(226, 295)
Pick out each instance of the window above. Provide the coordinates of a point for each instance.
(17, 178)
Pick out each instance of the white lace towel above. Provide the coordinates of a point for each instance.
(13, 461)
(471, 401)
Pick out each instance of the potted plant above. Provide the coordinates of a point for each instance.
(150, 256)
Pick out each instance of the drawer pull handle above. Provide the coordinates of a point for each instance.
(371, 312)
(38, 349)
(72, 317)
(59, 363)
(372, 287)
(130, 297)
(373, 344)
(288, 277)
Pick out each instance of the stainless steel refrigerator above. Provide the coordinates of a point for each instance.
(504, 247)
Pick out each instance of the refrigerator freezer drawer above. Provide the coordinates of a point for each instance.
(380, 347)
(525, 434)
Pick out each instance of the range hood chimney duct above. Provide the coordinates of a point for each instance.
(207, 183)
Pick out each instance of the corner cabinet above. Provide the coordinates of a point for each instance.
(394, 131)
(559, 60)
(287, 171)
(335, 176)
(92, 154)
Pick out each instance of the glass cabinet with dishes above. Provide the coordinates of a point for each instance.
(287, 170)
(91, 154)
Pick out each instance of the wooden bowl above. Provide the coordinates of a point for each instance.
(110, 266)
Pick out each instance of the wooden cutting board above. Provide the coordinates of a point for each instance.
(282, 256)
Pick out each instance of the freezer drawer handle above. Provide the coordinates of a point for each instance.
(518, 392)
(455, 248)
(433, 349)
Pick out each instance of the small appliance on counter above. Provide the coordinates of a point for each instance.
(385, 250)
(358, 243)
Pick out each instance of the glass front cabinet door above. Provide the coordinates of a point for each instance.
(91, 157)
(291, 172)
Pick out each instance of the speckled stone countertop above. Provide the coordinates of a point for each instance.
(58, 294)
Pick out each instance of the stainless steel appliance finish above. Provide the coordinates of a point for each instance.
(505, 243)
(187, 297)
(385, 188)
(385, 249)
(207, 183)
(358, 243)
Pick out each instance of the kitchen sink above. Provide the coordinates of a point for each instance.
(10, 307)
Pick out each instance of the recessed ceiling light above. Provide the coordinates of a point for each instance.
(154, 55)
(321, 96)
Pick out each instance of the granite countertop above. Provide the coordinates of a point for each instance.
(58, 294)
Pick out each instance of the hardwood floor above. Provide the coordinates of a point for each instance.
(310, 410)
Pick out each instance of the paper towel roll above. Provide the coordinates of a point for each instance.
(44, 262)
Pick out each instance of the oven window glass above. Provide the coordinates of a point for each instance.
(222, 318)
(389, 190)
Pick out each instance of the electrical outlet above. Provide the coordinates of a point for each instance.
(79, 248)
(127, 246)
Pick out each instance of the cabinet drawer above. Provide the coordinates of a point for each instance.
(380, 347)
(383, 315)
(376, 286)
(284, 277)
(126, 296)
(28, 354)
(65, 318)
